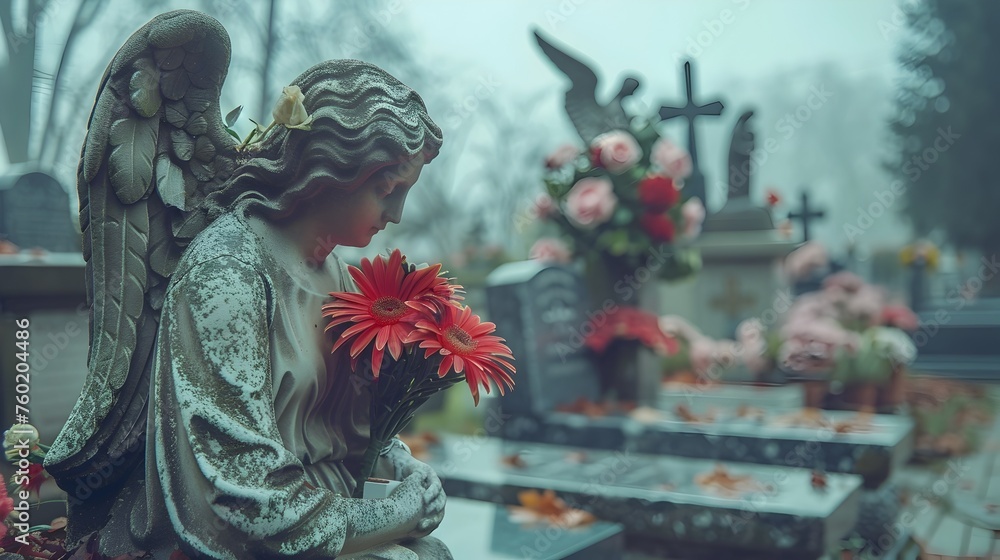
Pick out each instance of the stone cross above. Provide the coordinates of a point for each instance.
(806, 215)
(695, 184)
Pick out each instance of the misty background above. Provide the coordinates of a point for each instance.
(820, 76)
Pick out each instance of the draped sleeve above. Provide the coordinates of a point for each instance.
(230, 486)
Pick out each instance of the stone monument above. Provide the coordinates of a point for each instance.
(741, 253)
(35, 212)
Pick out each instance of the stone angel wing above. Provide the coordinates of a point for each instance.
(590, 118)
(156, 146)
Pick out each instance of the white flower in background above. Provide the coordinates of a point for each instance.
(894, 344)
(290, 111)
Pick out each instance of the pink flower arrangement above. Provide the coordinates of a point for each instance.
(616, 151)
(806, 260)
(672, 160)
(616, 206)
(550, 249)
(591, 202)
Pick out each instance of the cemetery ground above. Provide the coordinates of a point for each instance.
(948, 500)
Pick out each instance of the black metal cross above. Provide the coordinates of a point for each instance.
(806, 215)
(696, 183)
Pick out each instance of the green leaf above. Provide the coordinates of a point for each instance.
(233, 116)
(233, 134)
(615, 241)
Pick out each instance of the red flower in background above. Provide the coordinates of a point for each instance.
(380, 315)
(658, 193)
(630, 323)
(467, 346)
(773, 198)
(659, 227)
(6, 506)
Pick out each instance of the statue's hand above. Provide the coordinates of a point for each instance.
(422, 489)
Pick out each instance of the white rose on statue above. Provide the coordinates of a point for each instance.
(290, 111)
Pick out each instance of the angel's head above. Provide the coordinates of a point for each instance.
(370, 132)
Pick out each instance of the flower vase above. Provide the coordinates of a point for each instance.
(629, 372)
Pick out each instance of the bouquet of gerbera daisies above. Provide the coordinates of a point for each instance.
(433, 341)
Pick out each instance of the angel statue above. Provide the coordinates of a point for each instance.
(214, 420)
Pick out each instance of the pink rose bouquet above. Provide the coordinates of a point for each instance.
(624, 203)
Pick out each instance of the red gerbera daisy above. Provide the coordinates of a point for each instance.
(467, 347)
(380, 315)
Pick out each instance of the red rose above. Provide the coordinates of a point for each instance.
(658, 193)
(659, 226)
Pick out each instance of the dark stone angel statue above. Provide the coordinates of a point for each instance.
(214, 419)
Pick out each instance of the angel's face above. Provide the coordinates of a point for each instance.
(359, 215)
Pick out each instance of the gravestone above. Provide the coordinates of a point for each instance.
(775, 512)
(35, 212)
(486, 531)
(539, 309)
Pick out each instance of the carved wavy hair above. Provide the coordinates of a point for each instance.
(364, 120)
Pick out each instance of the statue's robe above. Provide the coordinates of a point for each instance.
(254, 426)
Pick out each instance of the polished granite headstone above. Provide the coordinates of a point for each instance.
(875, 448)
(655, 497)
(539, 310)
(485, 531)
